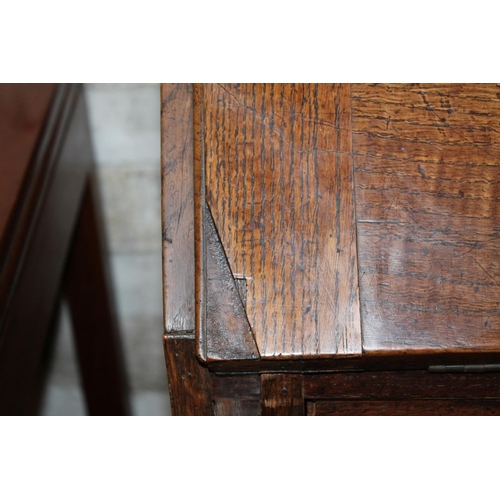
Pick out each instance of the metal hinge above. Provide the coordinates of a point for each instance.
(464, 368)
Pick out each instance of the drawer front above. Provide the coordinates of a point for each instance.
(428, 407)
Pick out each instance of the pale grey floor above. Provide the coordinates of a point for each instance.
(125, 126)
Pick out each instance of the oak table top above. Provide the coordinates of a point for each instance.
(332, 225)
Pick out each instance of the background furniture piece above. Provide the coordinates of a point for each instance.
(50, 243)
(331, 249)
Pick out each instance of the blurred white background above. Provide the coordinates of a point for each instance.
(125, 128)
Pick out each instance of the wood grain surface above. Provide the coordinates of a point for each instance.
(436, 407)
(427, 176)
(178, 206)
(279, 184)
(316, 190)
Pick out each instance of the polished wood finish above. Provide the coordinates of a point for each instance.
(39, 240)
(279, 184)
(303, 191)
(427, 176)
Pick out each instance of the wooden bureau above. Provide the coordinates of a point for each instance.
(332, 249)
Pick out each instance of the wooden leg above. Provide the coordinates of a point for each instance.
(189, 381)
(282, 394)
(87, 288)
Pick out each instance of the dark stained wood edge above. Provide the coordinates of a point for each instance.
(282, 394)
(368, 363)
(374, 393)
(434, 407)
(416, 384)
(177, 207)
(370, 385)
(189, 381)
(22, 225)
(225, 327)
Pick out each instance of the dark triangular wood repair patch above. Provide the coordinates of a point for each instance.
(227, 331)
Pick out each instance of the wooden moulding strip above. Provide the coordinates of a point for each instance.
(178, 207)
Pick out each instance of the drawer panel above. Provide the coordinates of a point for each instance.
(431, 407)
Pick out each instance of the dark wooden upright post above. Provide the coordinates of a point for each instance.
(87, 288)
(189, 381)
